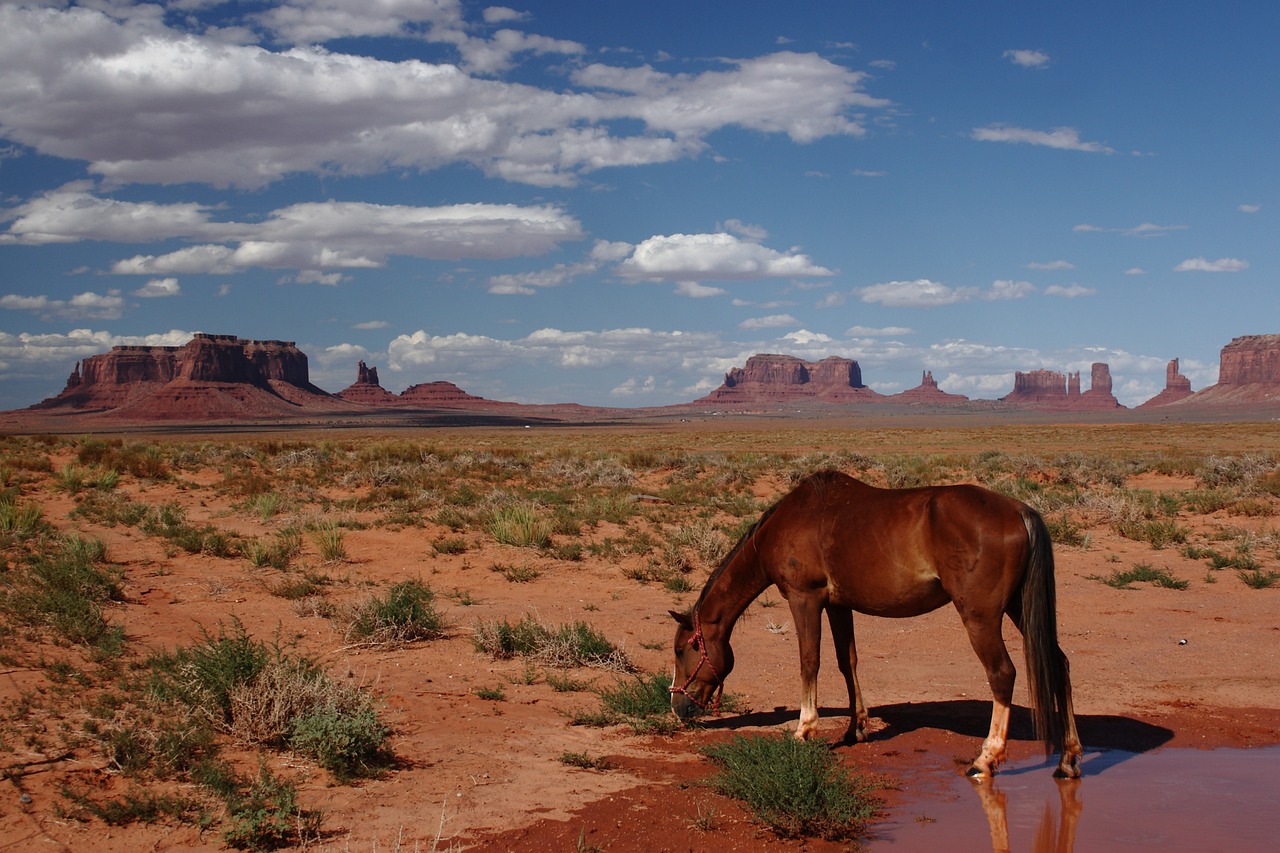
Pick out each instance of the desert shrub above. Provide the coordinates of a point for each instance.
(63, 589)
(1142, 573)
(519, 524)
(642, 702)
(264, 814)
(329, 540)
(405, 614)
(20, 519)
(1259, 578)
(1064, 530)
(797, 788)
(348, 742)
(564, 646)
(1158, 533)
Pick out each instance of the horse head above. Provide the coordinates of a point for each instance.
(703, 661)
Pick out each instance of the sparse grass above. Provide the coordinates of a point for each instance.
(642, 702)
(584, 761)
(405, 614)
(796, 788)
(1259, 578)
(492, 694)
(329, 540)
(563, 646)
(1142, 573)
(515, 574)
(519, 524)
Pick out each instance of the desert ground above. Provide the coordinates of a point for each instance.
(1168, 571)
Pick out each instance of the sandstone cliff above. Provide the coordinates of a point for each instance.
(1176, 387)
(212, 376)
(770, 379)
(367, 389)
(1049, 389)
(1248, 372)
(927, 393)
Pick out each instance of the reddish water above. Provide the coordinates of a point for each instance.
(1168, 800)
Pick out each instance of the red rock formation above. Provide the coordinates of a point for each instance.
(769, 379)
(929, 394)
(444, 395)
(1038, 386)
(1248, 372)
(366, 389)
(1176, 387)
(1049, 389)
(212, 376)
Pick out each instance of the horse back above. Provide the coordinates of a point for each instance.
(896, 552)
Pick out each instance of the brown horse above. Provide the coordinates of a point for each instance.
(836, 544)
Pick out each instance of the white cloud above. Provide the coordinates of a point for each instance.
(82, 306)
(697, 290)
(73, 213)
(144, 103)
(1203, 265)
(1249, 208)
(25, 351)
(1051, 265)
(1135, 271)
(159, 288)
(1063, 138)
(1069, 291)
(353, 235)
(1027, 58)
(1146, 229)
(773, 321)
(883, 332)
(717, 257)
(371, 324)
(923, 293)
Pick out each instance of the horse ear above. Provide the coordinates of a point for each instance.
(684, 619)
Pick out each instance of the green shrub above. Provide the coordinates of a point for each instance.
(1259, 578)
(797, 788)
(405, 614)
(1142, 573)
(328, 539)
(264, 815)
(564, 646)
(346, 743)
(519, 524)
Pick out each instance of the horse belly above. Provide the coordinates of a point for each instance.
(896, 592)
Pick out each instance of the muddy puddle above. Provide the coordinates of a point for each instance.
(1167, 800)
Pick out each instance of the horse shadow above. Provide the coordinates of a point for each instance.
(1116, 735)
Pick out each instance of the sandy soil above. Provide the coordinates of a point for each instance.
(1152, 668)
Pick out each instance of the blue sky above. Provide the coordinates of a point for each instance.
(615, 203)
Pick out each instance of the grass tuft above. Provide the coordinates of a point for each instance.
(796, 788)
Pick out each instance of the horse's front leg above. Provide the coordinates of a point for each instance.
(807, 615)
(841, 620)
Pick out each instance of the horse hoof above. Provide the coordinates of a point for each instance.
(975, 771)
(1067, 773)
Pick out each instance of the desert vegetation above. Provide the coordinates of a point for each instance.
(223, 721)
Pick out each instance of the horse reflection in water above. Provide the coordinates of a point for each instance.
(837, 545)
(1049, 839)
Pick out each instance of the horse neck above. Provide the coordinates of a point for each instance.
(730, 589)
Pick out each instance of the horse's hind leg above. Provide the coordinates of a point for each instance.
(987, 641)
(841, 620)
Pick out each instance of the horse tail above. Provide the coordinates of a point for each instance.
(1048, 673)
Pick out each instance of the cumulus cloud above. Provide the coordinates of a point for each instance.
(1146, 229)
(1027, 58)
(1202, 264)
(1062, 138)
(923, 293)
(25, 351)
(82, 306)
(142, 102)
(352, 235)
(772, 321)
(159, 288)
(715, 257)
(1069, 291)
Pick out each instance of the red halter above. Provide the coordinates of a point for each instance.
(699, 642)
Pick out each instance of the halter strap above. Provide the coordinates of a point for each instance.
(699, 642)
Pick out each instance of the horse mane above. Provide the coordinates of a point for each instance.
(817, 479)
